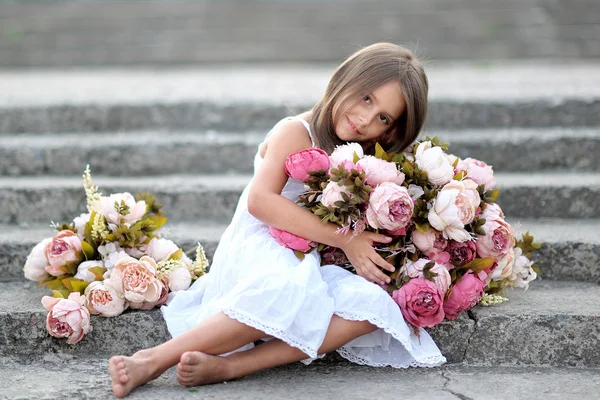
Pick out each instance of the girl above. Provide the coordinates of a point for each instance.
(257, 289)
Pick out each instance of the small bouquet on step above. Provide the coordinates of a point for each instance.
(108, 260)
(451, 245)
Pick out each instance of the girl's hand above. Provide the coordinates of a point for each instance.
(362, 256)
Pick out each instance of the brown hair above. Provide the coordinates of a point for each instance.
(360, 74)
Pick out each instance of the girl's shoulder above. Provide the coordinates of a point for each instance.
(288, 135)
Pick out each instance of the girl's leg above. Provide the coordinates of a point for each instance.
(217, 335)
(198, 368)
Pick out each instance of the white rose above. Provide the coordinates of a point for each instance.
(161, 249)
(332, 193)
(444, 216)
(378, 171)
(504, 267)
(80, 223)
(104, 300)
(84, 274)
(36, 263)
(467, 200)
(180, 279)
(345, 153)
(136, 209)
(433, 160)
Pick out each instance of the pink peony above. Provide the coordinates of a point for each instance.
(137, 209)
(345, 153)
(429, 242)
(467, 200)
(104, 300)
(503, 269)
(390, 207)
(180, 279)
(64, 248)
(461, 253)
(164, 293)
(465, 295)
(378, 171)
(445, 216)
(67, 317)
(36, 265)
(498, 240)
(291, 241)
(421, 302)
(299, 164)
(333, 193)
(414, 269)
(137, 280)
(478, 171)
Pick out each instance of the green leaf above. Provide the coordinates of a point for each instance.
(177, 255)
(78, 285)
(479, 264)
(88, 250)
(379, 152)
(299, 254)
(98, 273)
(422, 227)
(157, 220)
(60, 294)
(355, 158)
(54, 284)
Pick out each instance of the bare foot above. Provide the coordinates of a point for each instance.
(127, 373)
(196, 368)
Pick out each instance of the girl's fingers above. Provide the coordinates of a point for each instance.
(380, 261)
(378, 274)
(376, 237)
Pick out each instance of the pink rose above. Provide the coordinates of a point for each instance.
(461, 253)
(498, 240)
(421, 302)
(67, 317)
(414, 269)
(429, 242)
(137, 280)
(299, 164)
(104, 300)
(291, 241)
(378, 171)
(390, 207)
(445, 216)
(64, 248)
(478, 171)
(333, 193)
(36, 265)
(465, 295)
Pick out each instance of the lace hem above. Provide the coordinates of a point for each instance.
(429, 361)
(278, 333)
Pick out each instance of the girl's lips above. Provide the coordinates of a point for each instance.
(352, 126)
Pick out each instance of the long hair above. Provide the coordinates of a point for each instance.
(360, 74)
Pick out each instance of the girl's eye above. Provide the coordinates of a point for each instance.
(384, 119)
(367, 99)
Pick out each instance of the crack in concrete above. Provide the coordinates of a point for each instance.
(471, 317)
(446, 389)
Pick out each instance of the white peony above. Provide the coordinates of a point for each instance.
(522, 270)
(332, 193)
(180, 279)
(80, 223)
(445, 216)
(104, 300)
(345, 153)
(83, 272)
(136, 209)
(161, 249)
(467, 200)
(433, 160)
(36, 263)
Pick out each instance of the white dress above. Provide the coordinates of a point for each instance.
(262, 284)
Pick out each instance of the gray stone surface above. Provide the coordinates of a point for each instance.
(552, 324)
(570, 248)
(29, 199)
(231, 98)
(70, 33)
(165, 152)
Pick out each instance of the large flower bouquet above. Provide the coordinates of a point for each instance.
(107, 260)
(451, 245)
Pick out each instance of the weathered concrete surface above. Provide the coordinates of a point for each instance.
(230, 98)
(554, 323)
(184, 197)
(58, 377)
(570, 248)
(164, 152)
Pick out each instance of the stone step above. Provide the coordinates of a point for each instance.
(164, 153)
(82, 378)
(238, 98)
(570, 248)
(552, 324)
(214, 197)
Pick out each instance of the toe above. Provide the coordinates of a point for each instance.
(185, 368)
(190, 358)
(123, 378)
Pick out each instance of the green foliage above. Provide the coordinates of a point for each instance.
(88, 250)
(527, 244)
(122, 209)
(479, 264)
(63, 226)
(152, 206)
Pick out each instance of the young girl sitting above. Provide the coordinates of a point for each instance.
(257, 289)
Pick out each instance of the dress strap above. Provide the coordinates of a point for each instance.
(307, 126)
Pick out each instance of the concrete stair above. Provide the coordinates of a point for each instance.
(189, 138)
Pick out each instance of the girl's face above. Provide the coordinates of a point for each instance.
(374, 115)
